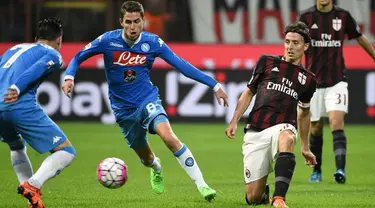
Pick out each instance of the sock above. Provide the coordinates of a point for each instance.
(155, 165)
(284, 168)
(188, 163)
(21, 164)
(316, 146)
(339, 147)
(52, 166)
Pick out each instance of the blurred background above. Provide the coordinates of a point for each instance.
(222, 37)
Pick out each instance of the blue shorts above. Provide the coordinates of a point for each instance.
(39, 131)
(135, 123)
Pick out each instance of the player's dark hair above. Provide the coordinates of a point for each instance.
(132, 6)
(49, 29)
(300, 28)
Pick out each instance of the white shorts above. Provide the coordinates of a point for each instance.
(333, 98)
(259, 150)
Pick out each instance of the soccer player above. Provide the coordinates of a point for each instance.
(129, 54)
(328, 26)
(22, 69)
(280, 83)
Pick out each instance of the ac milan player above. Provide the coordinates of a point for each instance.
(280, 83)
(128, 55)
(328, 25)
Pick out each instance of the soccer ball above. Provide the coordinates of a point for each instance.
(112, 173)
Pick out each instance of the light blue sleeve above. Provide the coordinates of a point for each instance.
(183, 66)
(93, 48)
(45, 65)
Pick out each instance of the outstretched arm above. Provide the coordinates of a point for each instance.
(192, 72)
(91, 49)
(365, 43)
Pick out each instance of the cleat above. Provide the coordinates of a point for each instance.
(32, 194)
(157, 180)
(340, 176)
(316, 177)
(208, 193)
(278, 202)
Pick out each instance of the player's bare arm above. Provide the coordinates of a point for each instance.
(304, 128)
(242, 105)
(366, 45)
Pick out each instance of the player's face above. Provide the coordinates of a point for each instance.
(132, 23)
(294, 47)
(324, 2)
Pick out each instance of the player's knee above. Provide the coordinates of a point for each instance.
(253, 197)
(317, 128)
(286, 141)
(69, 149)
(336, 124)
(17, 145)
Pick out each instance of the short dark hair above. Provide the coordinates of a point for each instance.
(49, 29)
(300, 28)
(132, 6)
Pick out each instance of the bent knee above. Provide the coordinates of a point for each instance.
(317, 128)
(254, 198)
(286, 141)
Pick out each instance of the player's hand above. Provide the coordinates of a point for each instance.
(231, 130)
(67, 87)
(221, 94)
(309, 158)
(11, 96)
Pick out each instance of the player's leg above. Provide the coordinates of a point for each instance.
(257, 161)
(183, 155)
(18, 155)
(156, 121)
(318, 111)
(285, 163)
(316, 147)
(43, 135)
(135, 135)
(337, 107)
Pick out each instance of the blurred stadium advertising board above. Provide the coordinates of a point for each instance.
(262, 21)
(183, 99)
(216, 56)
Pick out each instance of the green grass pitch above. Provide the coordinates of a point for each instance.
(220, 160)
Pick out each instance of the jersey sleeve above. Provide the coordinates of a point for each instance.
(257, 73)
(351, 28)
(45, 65)
(93, 48)
(183, 66)
(305, 97)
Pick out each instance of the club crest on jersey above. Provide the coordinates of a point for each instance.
(129, 75)
(301, 78)
(336, 24)
(126, 58)
(145, 47)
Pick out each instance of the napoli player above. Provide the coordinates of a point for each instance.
(129, 54)
(329, 24)
(280, 82)
(22, 69)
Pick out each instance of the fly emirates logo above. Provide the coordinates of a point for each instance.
(326, 41)
(284, 87)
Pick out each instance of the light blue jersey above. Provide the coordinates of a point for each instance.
(134, 99)
(24, 67)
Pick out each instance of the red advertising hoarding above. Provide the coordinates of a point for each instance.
(216, 56)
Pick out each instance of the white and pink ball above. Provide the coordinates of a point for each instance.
(112, 173)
